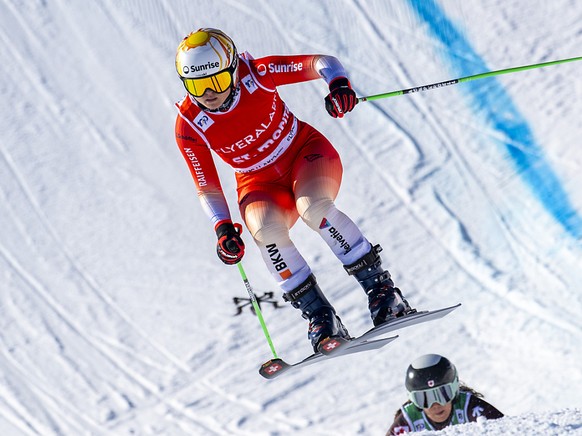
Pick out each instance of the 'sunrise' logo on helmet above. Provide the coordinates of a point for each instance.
(195, 68)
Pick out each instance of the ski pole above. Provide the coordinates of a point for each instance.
(257, 308)
(465, 79)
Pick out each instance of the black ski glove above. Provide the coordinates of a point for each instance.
(341, 98)
(230, 247)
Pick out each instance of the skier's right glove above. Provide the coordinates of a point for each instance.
(230, 247)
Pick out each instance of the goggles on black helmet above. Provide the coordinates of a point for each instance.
(425, 398)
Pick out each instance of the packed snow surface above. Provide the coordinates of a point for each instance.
(117, 318)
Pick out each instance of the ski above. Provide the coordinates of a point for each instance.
(332, 346)
(277, 366)
(335, 347)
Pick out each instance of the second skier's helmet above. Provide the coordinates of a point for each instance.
(207, 59)
(431, 379)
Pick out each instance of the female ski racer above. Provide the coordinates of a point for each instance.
(436, 399)
(285, 169)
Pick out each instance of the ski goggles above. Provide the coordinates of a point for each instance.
(441, 394)
(218, 82)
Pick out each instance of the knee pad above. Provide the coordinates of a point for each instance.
(271, 233)
(315, 211)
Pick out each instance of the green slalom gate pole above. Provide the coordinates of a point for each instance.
(255, 304)
(465, 79)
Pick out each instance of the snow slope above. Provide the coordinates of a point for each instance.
(116, 316)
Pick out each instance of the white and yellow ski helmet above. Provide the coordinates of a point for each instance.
(207, 59)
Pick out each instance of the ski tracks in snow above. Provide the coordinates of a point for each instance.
(59, 250)
(133, 387)
(112, 340)
(464, 250)
(74, 361)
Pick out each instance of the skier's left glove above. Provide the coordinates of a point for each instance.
(341, 97)
(230, 247)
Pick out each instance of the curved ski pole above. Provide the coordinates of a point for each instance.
(255, 304)
(465, 79)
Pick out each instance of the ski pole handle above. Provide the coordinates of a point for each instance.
(465, 79)
(255, 304)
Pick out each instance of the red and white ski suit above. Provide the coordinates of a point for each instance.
(285, 169)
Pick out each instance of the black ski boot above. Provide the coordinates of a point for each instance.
(384, 300)
(323, 322)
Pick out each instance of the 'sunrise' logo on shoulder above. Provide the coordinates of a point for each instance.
(275, 68)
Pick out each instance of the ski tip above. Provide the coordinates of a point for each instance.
(273, 368)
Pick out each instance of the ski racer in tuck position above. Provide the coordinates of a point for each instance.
(285, 169)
